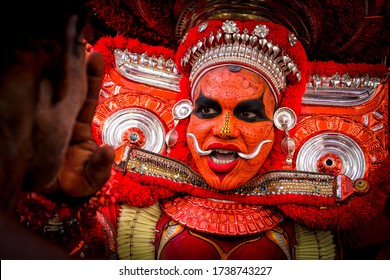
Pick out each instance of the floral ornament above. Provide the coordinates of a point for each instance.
(230, 27)
(260, 31)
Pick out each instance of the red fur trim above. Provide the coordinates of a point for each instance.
(341, 217)
(181, 151)
(185, 89)
(276, 158)
(107, 45)
(135, 192)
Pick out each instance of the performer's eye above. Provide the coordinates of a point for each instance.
(208, 111)
(251, 111)
(206, 108)
(247, 115)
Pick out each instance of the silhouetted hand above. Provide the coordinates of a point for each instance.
(86, 166)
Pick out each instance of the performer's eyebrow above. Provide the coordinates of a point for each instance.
(253, 105)
(204, 101)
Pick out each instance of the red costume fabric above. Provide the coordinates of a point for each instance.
(177, 242)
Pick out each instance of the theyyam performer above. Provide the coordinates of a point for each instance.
(243, 170)
(236, 146)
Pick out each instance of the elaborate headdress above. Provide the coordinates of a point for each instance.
(264, 47)
(267, 48)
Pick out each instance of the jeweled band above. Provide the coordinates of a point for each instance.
(278, 182)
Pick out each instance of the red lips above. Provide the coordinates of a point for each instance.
(221, 169)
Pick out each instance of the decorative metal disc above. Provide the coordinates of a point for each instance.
(353, 163)
(182, 109)
(285, 118)
(146, 123)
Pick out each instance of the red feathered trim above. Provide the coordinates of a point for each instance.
(185, 89)
(180, 150)
(139, 193)
(341, 217)
(107, 45)
(277, 158)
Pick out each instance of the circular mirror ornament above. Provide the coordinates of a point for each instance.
(136, 125)
(332, 150)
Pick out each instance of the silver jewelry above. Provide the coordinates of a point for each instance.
(285, 119)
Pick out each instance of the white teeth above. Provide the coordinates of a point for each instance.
(220, 161)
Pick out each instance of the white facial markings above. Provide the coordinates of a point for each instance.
(242, 155)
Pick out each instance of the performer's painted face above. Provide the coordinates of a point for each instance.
(230, 133)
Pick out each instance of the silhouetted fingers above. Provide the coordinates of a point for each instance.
(98, 168)
(95, 68)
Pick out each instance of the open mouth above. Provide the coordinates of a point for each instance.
(222, 161)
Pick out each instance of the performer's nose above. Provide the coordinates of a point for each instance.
(226, 128)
